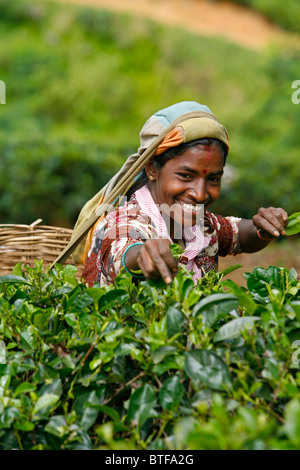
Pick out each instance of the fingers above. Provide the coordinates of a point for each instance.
(272, 219)
(155, 260)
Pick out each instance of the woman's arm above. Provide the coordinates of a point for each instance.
(270, 222)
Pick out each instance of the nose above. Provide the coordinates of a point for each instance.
(199, 191)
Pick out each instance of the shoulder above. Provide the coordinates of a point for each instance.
(128, 211)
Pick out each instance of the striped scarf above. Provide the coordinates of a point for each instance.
(193, 236)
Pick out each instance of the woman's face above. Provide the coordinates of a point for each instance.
(187, 183)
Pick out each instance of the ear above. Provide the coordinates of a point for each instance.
(151, 171)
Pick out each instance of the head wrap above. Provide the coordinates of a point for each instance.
(179, 123)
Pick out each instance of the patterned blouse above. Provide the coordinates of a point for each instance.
(128, 224)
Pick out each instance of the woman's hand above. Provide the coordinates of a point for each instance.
(272, 221)
(154, 258)
(268, 224)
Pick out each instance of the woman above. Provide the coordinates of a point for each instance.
(184, 149)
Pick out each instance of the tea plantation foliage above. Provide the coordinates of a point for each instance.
(80, 83)
(149, 366)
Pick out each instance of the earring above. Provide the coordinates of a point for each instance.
(151, 178)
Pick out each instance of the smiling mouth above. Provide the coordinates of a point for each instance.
(192, 208)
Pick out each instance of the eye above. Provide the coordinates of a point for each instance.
(185, 176)
(215, 179)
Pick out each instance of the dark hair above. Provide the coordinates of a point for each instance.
(163, 158)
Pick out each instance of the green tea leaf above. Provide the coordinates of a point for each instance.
(27, 341)
(4, 383)
(176, 250)
(271, 370)
(187, 288)
(293, 275)
(245, 300)
(222, 303)
(24, 425)
(170, 393)
(292, 421)
(55, 387)
(62, 291)
(141, 405)
(157, 283)
(235, 327)
(45, 401)
(57, 426)
(95, 293)
(166, 366)
(80, 441)
(206, 367)
(24, 387)
(90, 413)
(80, 302)
(214, 305)
(161, 353)
(175, 320)
(293, 225)
(41, 319)
(258, 280)
(137, 271)
(11, 279)
(17, 270)
(113, 299)
(70, 274)
(296, 308)
(10, 415)
(229, 270)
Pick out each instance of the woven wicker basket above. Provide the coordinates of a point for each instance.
(27, 243)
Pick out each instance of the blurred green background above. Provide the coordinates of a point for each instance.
(81, 82)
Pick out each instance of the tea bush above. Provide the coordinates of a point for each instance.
(148, 366)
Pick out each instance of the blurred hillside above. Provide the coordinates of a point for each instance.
(217, 18)
(81, 82)
(284, 13)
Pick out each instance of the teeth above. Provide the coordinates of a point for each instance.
(191, 207)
